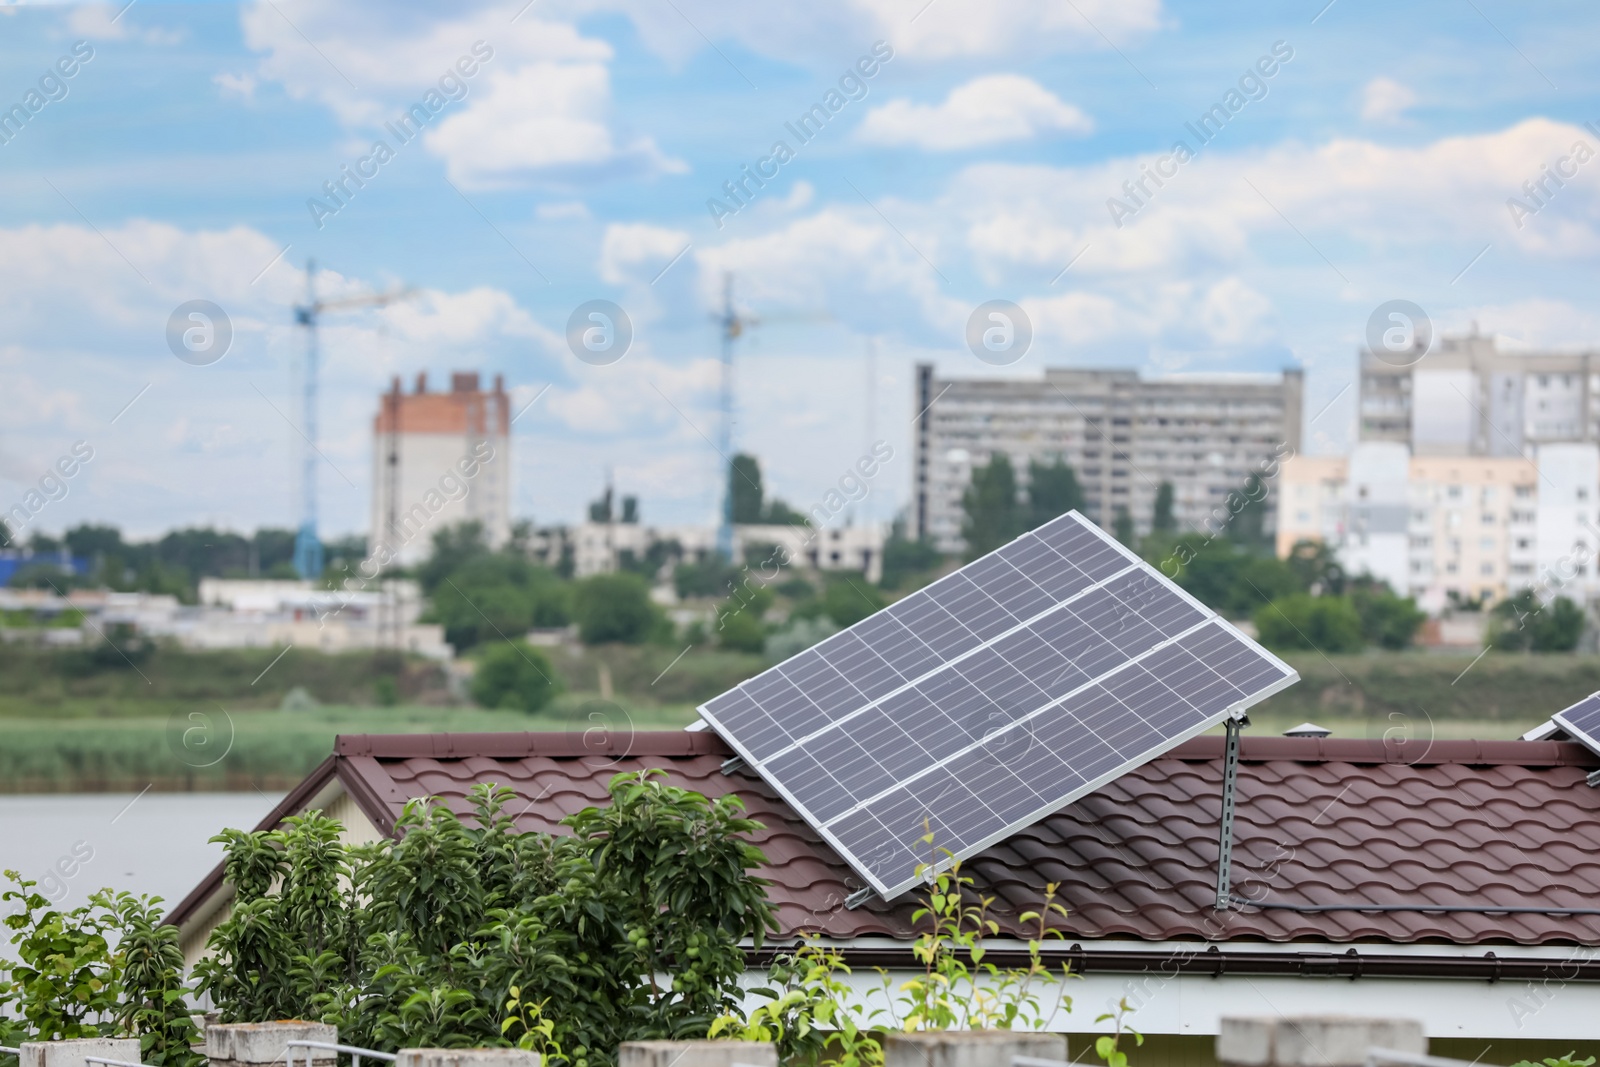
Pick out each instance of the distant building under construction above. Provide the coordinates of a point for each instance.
(439, 459)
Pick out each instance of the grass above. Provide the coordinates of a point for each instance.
(260, 748)
(65, 728)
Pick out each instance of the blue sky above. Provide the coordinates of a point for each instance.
(975, 164)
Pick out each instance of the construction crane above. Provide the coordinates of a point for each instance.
(307, 546)
(732, 325)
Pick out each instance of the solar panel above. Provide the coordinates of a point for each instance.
(994, 696)
(1582, 721)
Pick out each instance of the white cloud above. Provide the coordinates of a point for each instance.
(541, 118)
(103, 22)
(87, 335)
(794, 31)
(535, 104)
(562, 209)
(241, 85)
(1385, 100)
(627, 247)
(984, 111)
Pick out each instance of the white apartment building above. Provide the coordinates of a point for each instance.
(1469, 398)
(439, 459)
(599, 547)
(1430, 526)
(1122, 434)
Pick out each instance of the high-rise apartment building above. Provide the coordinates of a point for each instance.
(1123, 434)
(1437, 526)
(439, 459)
(1469, 398)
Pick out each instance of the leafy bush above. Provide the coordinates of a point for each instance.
(1569, 1060)
(513, 674)
(614, 607)
(457, 935)
(814, 1017)
(1524, 624)
(851, 598)
(67, 982)
(1328, 624)
(797, 636)
(1387, 620)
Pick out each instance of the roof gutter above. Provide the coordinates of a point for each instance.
(1215, 962)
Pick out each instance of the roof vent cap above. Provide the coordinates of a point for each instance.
(1308, 729)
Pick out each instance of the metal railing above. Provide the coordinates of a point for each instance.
(355, 1053)
(110, 1063)
(1036, 1061)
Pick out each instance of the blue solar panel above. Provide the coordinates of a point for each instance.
(994, 696)
(1582, 721)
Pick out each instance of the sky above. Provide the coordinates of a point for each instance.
(568, 151)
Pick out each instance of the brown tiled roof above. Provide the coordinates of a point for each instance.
(1319, 821)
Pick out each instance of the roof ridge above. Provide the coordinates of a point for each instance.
(554, 744)
(1381, 750)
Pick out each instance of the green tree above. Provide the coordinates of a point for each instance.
(904, 558)
(1387, 620)
(514, 675)
(614, 607)
(1328, 624)
(710, 577)
(993, 516)
(1162, 521)
(1122, 527)
(1524, 624)
(849, 598)
(453, 548)
(1246, 524)
(744, 488)
(1053, 490)
(1316, 567)
(779, 513)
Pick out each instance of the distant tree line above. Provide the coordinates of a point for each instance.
(173, 563)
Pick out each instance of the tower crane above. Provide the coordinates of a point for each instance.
(307, 547)
(731, 325)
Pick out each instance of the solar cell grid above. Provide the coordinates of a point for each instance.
(990, 698)
(1582, 721)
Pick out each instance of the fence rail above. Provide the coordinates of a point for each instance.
(355, 1053)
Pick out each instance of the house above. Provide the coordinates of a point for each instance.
(1480, 860)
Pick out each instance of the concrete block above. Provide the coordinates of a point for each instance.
(247, 1044)
(1314, 1040)
(1246, 1042)
(465, 1057)
(71, 1053)
(697, 1054)
(970, 1048)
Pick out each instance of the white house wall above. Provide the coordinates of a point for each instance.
(1195, 1004)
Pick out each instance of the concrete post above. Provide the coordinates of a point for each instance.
(253, 1044)
(71, 1053)
(697, 1054)
(970, 1048)
(464, 1057)
(1313, 1040)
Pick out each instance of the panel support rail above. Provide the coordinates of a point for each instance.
(1230, 781)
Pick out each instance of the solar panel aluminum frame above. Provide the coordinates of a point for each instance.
(1586, 735)
(937, 864)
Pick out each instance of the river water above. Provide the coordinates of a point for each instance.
(155, 843)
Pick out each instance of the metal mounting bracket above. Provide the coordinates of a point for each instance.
(858, 898)
(1230, 779)
(733, 764)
